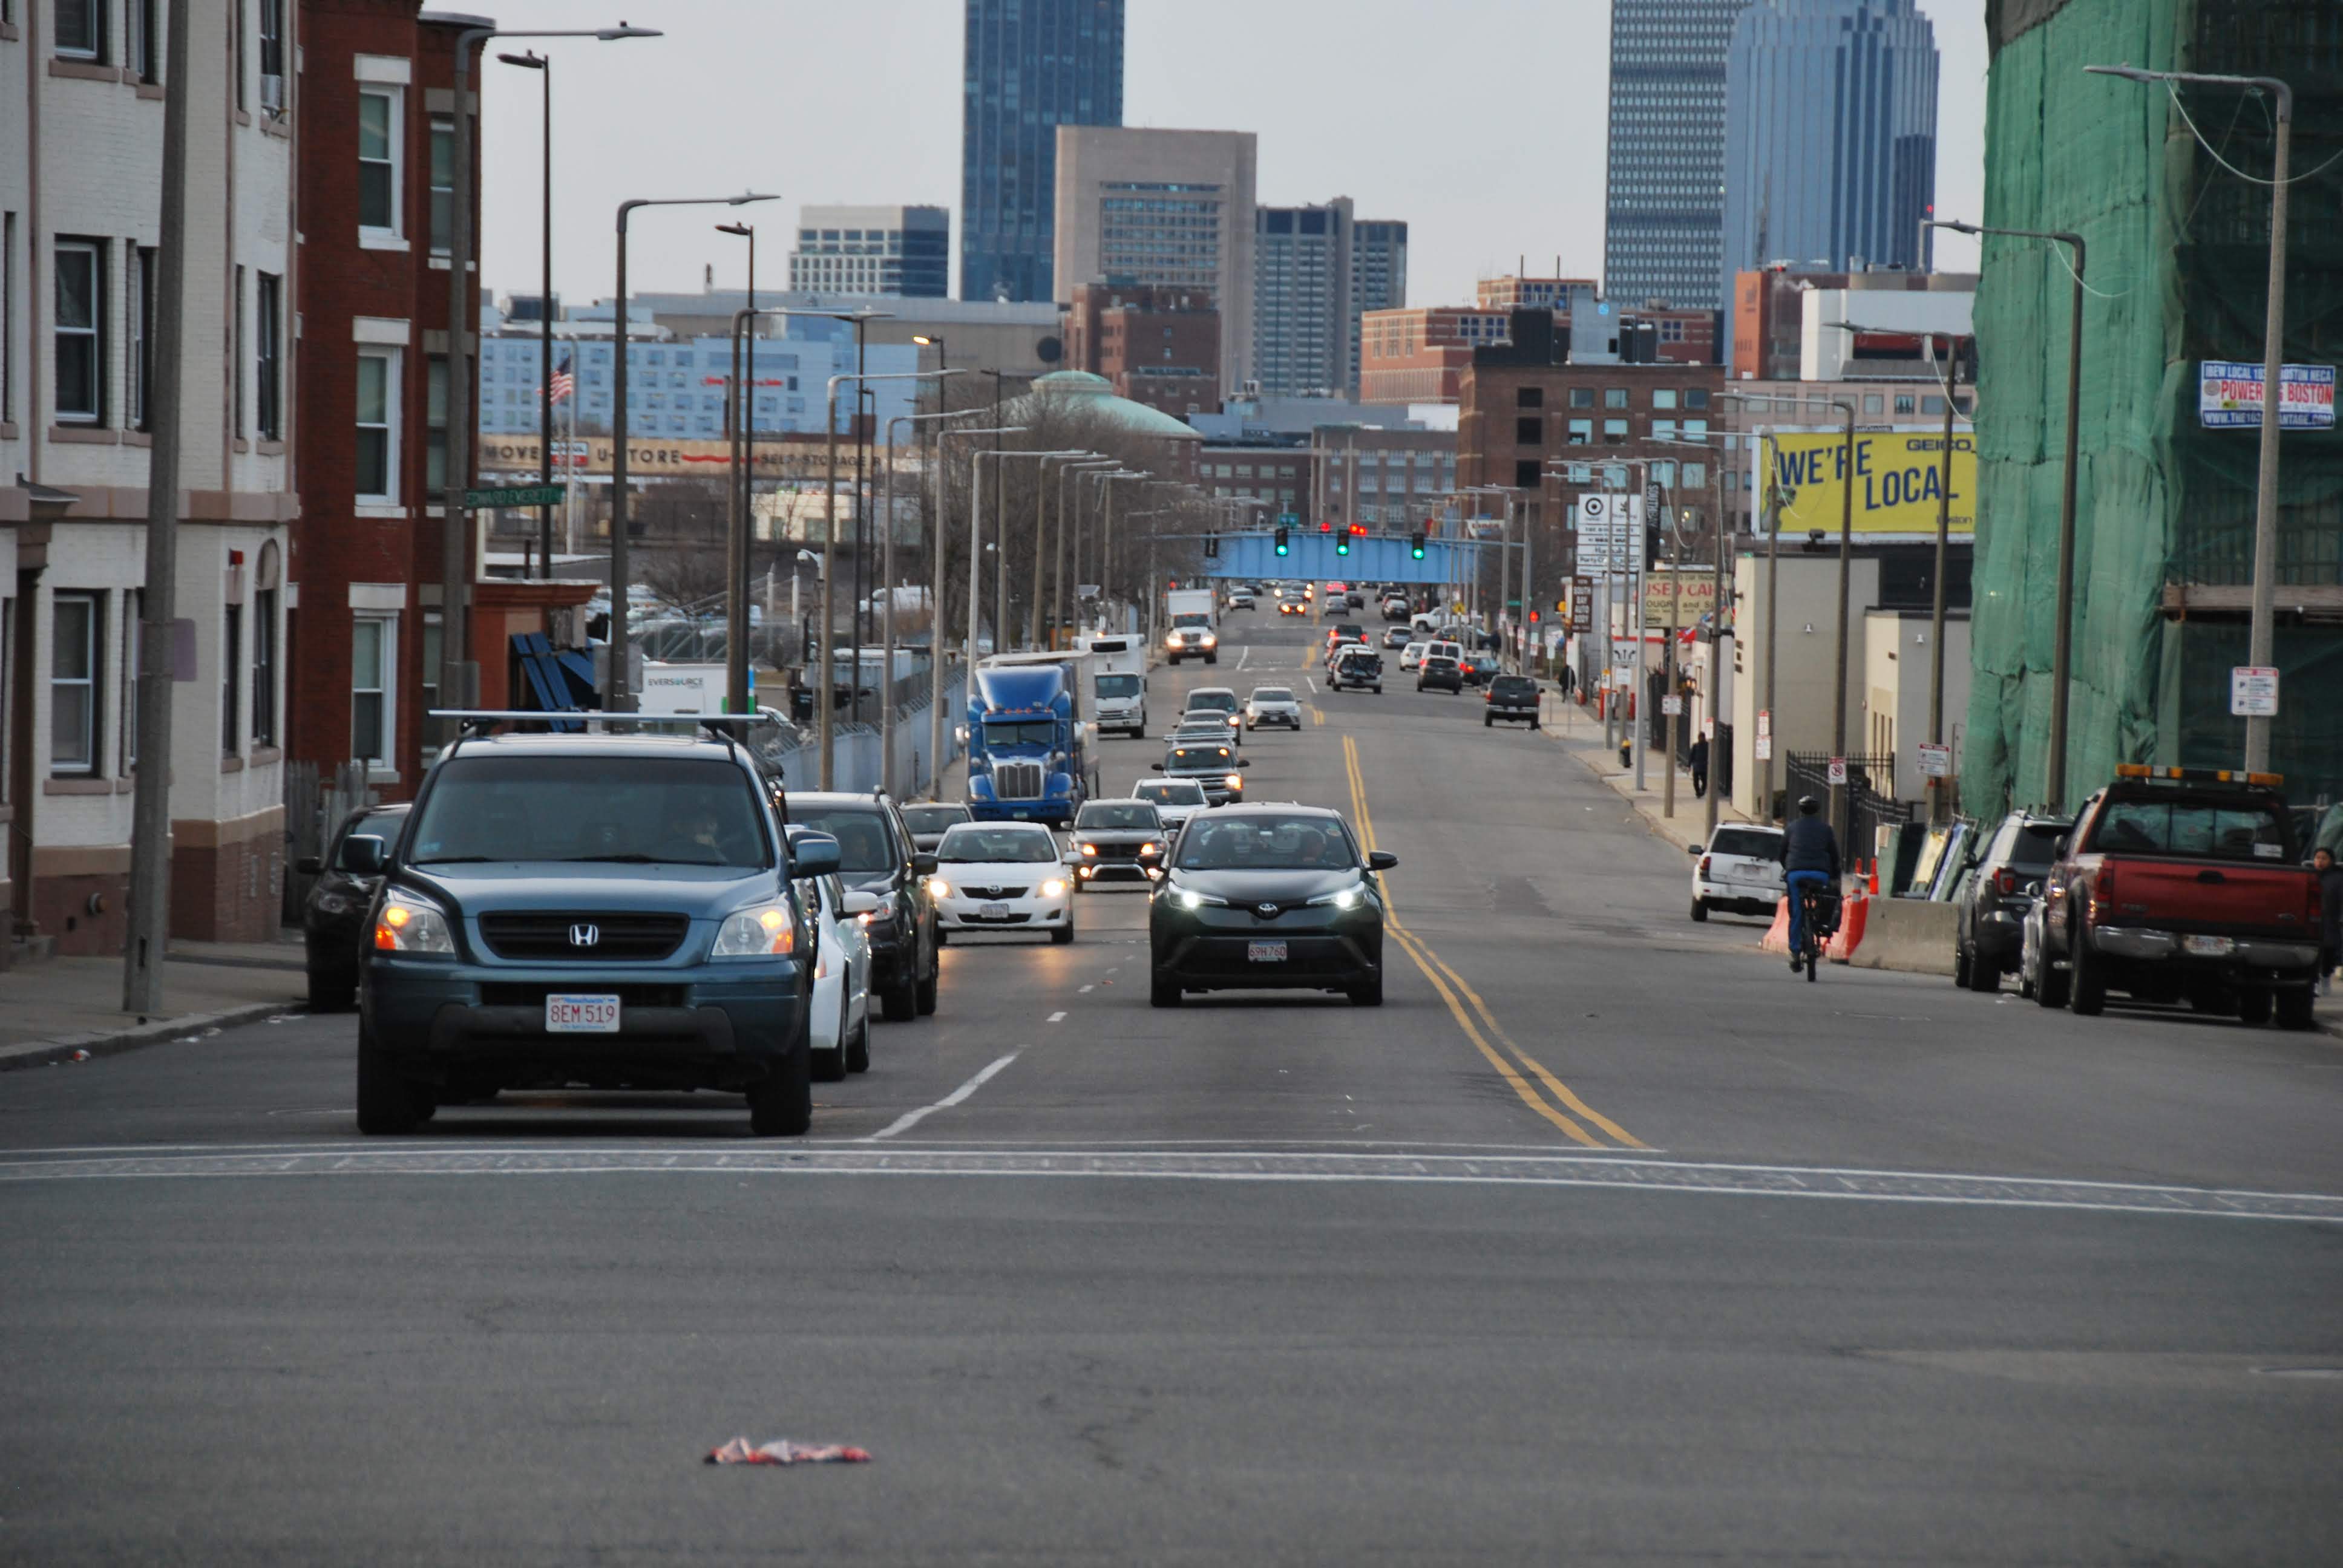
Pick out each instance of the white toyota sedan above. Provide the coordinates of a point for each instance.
(838, 1026)
(1270, 705)
(1002, 877)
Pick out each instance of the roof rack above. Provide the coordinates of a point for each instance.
(2199, 775)
(471, 722)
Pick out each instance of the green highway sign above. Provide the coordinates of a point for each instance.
(515, 495)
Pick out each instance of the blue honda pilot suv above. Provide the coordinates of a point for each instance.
(614, 911)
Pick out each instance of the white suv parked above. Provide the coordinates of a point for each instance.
(1739, 870)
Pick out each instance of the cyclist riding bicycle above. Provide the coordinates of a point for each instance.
(1809, 864)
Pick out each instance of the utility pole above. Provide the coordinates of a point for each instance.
(150, 829)
(1839, 823)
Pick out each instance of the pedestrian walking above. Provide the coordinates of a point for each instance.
(2330, 915)
(1699, 760)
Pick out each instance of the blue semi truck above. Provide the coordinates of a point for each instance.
(1031, 746)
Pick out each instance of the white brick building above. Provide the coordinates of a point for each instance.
(81, 134)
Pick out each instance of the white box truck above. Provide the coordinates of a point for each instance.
(1191, 625)
(1118, 665)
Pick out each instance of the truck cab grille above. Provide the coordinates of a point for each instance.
(1017, 781)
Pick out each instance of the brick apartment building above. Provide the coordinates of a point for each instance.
(1419, 354)
(1532, 419)
(1157, 344)
(377, 118)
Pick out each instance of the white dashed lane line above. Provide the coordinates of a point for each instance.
(911, 1118)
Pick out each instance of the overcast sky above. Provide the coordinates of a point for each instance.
(1479, 122)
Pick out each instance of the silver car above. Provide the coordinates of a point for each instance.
(1272, 705)
(1175, 799)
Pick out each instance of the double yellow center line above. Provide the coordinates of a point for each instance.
(1558, 1104)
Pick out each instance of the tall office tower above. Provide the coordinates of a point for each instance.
(1664, 212)
(1167, 207)
(1831, 131)
(1027, 66)
(1302, 310)
(1378, 278)
(904, 251)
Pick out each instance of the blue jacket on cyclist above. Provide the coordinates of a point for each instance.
(1809, 862)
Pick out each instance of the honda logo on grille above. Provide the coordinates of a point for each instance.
(583, 935)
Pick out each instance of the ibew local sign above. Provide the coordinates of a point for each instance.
(2229, 396)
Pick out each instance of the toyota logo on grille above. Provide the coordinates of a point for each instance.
(584, 935)
(1266, 911)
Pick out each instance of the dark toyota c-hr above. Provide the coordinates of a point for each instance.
(334, 915)
(614, 911)
(1268, 898)
(877, 856)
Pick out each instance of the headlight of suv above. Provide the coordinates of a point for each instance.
(1190, 898)
(1234, 781)
(411, 923)
(1349, 898)
(762, 930)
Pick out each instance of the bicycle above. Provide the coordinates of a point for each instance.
(1818, 912)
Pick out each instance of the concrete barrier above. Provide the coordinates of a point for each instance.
(1907, 934)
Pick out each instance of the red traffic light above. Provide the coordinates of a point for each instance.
(1359, 529)
(1326, 527)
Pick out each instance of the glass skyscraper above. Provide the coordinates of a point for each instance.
(1028, 67)
(1665, 206)
(1831, 126)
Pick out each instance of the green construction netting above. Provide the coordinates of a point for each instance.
(2178, 269)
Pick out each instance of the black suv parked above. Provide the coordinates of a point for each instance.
(1512, 698)
(613, 912)
(877, 856)
(1989, 925)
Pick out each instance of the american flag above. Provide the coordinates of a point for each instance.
(564, 384)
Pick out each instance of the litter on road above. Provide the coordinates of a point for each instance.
(782, 1451)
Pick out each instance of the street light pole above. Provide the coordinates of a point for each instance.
(936, 592)
(2262, 637)
(1839, 824)
(1063, 615)
(533, 61)
(456, 669)
(2062, 643)
(619, 696)
(887, 609)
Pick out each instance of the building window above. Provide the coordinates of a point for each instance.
(374, 662)
(143, 45)
(1663, 430)
(377, 424)
(235, 353)
(428, 683)
(1614, 432)
(1931, 405)
(1663, 397)
(1582, 396)
(263, 668)
(268, 353)
(434, 424)
(272, 56)
(1529, 431)
(1873, 403)
(231, 679)
(379, 133)
(1615, 396)
(81, 29)
(7, 314)
(1695, 397)
(81, 331)
(140, 317)
(1529, 397)
(443, 184)
(1525, 474)
(134, 611)
(74, 667)
(1695, 473)
(1904, 402)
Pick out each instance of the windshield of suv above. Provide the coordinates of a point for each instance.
(1265, 843)
(1170, 793)
(932, 819)
(1749, 842)
(649, 810)
(2234, 831)
(1272, 694)
(999, 733)
(864, 845)
(1138, 814)
(1211, 702)
(1118, 686)
(977, 843)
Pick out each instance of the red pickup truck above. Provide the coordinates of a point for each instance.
(2183, 882)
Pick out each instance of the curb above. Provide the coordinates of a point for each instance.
(114, 1042)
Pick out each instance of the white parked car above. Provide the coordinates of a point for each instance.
(1438, 648)
(838, 1026)
(1272, 705)
(1739, 870)
(1411, 656)
(1002, 877)
(1176, 800)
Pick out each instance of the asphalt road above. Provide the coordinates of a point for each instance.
(1605, 1240)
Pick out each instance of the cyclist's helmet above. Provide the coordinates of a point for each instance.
(1808, 805)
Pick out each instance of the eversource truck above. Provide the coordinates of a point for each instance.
(1190, 615)
(1118, 665)
(1030, 738)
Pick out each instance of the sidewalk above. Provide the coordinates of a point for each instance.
(1579, 731)
(49, 1011)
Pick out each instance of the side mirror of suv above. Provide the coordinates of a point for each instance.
(363, 855)
(923, 865)
(1157, 766)
(1694, 850)
(1381, 860)
(858, 902)
(814, 854)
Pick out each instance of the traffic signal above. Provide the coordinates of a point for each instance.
(1415, 544)
(1326, 526)
(1342, 544)
(1359, 531)
(1211, 547)
(1283, 547)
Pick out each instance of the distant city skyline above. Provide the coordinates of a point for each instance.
(880, 122)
